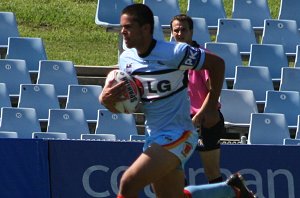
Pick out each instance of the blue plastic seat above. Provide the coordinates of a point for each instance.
(122, 125)
(108, 13)
(14, 72)
(297, 58)
(255, 10)
(4, 96)
(268, 128)
(24, 121)
(137, 138)
(8, 28)
(102, 137)
(69, 121)
(165, 10)
(244, 101)
(42, 97)
(211, 10)
(290, 79)
(50, 135)
(282, 32)
(85, 97)
(297, 136)
(239, 31)
(255, 78)
(8, 134)
(59, 73)
(230, 54)
(289, 9)
(271, 56)
(290, 141)
(32, 50)
(285, 102)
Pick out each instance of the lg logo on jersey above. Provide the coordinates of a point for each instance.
(160, 87)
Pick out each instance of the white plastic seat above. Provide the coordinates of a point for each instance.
(106, 137)
(271, 56)
(42, 97)
(24, 121)
(122, 125)
(211, 10)
(69, 121)
(282, 32)
(14, 72)
(239, 31)
(268, 128)
(32, 50)
(255, 78)
(85, 97)
(50, 135)
(285, 102)
(59, 73)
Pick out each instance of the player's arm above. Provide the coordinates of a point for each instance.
(111, 94)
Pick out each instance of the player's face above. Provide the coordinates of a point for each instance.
(182, 32)
(132, 32)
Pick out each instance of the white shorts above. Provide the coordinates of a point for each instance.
(182, 146)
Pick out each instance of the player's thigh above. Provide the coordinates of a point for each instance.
(171, 185)
(152, 165)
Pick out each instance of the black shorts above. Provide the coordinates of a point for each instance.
(210, 137)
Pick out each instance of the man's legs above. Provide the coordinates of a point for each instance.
(211, 165)
(156, 165)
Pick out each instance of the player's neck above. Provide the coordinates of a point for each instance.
(147, 48)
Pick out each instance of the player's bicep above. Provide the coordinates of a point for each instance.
(192, 59)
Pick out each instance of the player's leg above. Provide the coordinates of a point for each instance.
(211, 165)
(152, 165)
(234, 186)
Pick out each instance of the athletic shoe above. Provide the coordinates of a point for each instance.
(237, 182)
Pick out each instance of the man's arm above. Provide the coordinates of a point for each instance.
(111, 94)
(216, 67)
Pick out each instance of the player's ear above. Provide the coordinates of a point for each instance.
(146, 28)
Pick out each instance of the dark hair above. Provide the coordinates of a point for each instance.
(141, 13)
(182, 18)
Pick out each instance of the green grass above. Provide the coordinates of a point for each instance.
(69, 31)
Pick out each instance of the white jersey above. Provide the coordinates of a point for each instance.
(163, 75)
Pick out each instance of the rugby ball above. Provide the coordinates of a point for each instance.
(129, 105)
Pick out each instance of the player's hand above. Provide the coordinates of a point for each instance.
(111, 94)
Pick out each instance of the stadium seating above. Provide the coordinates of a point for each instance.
(137, 138)
(85, 97)
(239, 31)
(298, 128)
(122, 125)
(31, 50)
(290, 79)
(42, 97)
(69, 121)
(231, 55)
(255, 78)
(24, 121)
(107, 137)
(290, 141)
(283, 32)
(8, 28)
(285, 102)
(297, 58)
(50, 135)
(13, 72)
(211, 10)
(236, 107)
(4, 96)
(271, 56)
(8, 134)
(108, 13)
(268, 128)
(165, 10)
(255, 10)
(289, 9)
(59, 73)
